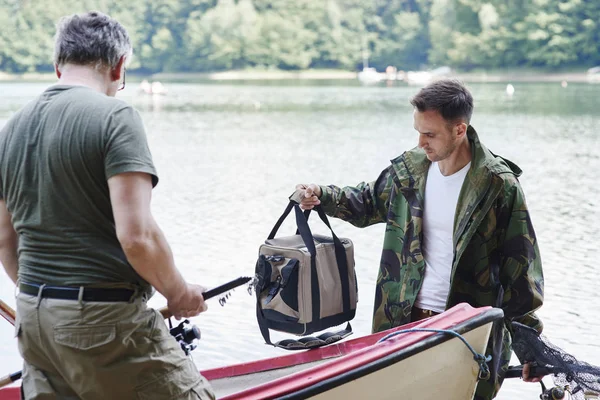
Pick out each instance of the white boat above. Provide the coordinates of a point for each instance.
(425, 77)
(593, 74)
(369, 75)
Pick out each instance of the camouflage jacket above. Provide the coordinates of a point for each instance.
(492, 232)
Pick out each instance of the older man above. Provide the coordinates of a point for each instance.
(77, 234)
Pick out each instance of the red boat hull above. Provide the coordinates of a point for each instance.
(338, 364)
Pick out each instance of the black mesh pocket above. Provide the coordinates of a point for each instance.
(278, 282)
(263, 273)
(289, 284)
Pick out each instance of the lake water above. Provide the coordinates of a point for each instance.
(228, 156)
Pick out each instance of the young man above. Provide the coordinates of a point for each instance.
(78, 238)
(458, 229)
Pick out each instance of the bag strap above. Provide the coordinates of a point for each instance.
(340, 256)
(286, 212)
(304, 231)
(309, 242)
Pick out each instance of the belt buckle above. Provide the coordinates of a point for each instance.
(429, 313)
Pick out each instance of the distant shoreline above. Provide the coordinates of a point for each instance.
(245, 75)
(258, 75)
(471, 77)
(523, 76)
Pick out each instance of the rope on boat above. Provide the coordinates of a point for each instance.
(482, 360)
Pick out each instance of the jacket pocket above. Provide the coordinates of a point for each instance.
(85, 337)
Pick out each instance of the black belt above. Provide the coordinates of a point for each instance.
(418, 314)
(72, 293)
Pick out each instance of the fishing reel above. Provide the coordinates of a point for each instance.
(554, 393)
(559, 393)
(186, 335)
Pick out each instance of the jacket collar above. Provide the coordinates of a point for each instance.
(411, 167)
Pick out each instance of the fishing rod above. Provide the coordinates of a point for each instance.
(8, 379)
(184, 334)
(9, 314)
(219, 290)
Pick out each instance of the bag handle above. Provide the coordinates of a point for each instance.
(286, 212)
(295, 199)
(304, 231)
(301, 224)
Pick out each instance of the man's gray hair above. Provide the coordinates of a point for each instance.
(92, 39)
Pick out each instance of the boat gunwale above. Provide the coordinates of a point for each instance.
(300, 385)
(434, 339)
(332, 351)
(417, 342)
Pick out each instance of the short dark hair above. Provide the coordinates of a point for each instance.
(91, 38)
(449, 97)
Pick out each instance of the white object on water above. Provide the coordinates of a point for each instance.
(369, 75)
(510, 89)
(593, 74)
(418, 77)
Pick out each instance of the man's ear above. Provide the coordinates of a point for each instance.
(57, 71)
(117, 71)
(461, 130)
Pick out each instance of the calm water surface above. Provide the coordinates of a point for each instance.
(228, 155)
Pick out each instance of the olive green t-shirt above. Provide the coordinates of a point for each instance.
(56, 155)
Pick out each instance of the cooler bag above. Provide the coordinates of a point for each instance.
(305, 283)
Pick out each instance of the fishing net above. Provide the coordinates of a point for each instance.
(581, 377)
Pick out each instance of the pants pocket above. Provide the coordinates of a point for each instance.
(35, 385)
(179, 383)
(17, 326)
(85, 337)
(202, 391)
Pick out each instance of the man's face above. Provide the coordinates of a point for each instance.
(435, 136)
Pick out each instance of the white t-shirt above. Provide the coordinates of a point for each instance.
(441, 197)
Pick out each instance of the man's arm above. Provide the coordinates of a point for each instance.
(523, 269)
(145, 245)
(521, 266)
(9, 242)
(521, 273)
(363, 205)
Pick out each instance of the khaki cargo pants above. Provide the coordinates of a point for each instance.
(104, 351)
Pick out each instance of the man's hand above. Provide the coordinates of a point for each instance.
(189, 303)
(310, 195)
(526, 378)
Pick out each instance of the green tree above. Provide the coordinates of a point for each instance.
(209, 35)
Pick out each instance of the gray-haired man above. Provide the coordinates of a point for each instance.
(77, 234)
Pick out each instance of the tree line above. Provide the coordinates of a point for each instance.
(217, 35)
